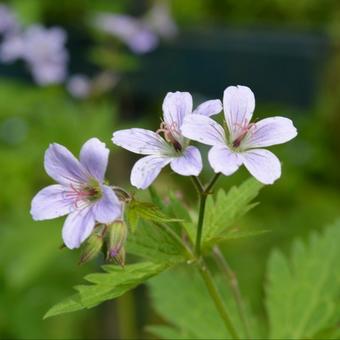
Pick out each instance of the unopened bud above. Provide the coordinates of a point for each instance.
(117, 234)
(92, 246)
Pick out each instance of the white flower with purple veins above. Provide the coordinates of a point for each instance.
(81, 193)
(241, 142)
(174, 148)
(133, 32)
(44, 51)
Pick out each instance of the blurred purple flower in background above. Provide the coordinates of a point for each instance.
(81, 193)
(11, 48)
(42, 49)
(8, 21)
(79, 86)
(160, 21)
(45, 53)
(133, 32)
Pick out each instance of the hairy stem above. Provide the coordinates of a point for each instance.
(216, 297)
(226, 269)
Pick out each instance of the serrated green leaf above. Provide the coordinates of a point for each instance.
(223, 210)
(181, 298)
(114, 282)
(137, 210)
(155, 243)
(302, 292)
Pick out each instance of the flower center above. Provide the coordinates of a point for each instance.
(170, 131)
(243, 133)
(84, 194)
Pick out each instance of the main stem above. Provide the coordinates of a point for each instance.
(215, 295)
(203, 193)
(206, 275)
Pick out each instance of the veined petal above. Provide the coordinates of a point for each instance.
(176, 106)
(270, 131)
(62, 166)
(209, 108)
(94, 156)
(145, 170)
(239, 105)
(144, 142)
(224, 160)
(203, 129)
(51, 202)
(263, 165)
(108, 208)
(78, 227)
(189, 163)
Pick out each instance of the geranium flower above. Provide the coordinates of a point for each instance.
(81, 193)
(241, 142)
(174, 148)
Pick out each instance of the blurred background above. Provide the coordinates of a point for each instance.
(71, 70)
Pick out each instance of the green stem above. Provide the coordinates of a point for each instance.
(203, 193)
(203, 199)
(215, 295)
(225, 267)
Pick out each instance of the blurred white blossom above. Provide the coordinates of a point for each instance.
(11, 48)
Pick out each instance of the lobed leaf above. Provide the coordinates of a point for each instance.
(303, 292)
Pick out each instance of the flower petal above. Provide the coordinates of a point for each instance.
(239, 105)
(209, 108)
(188, 164)
(224, 160)
(108, 208)
(145, 171)
(78, 227)
(203, 129)
(263, 165)
(176, 106)
(94, 156)
(270, 131)
(144, 142)
(62, 166)
(50, 202)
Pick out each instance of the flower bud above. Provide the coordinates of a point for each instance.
(117, 234)
(93, 245)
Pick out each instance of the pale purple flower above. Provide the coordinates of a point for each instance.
(160, 21)
(173, 149)
(132, 31)
(44, 51)
(79, 86)
(8, 21)
(80, 193)
(241, 142)
(11, 48)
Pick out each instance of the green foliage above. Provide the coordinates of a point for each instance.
(105, 286)
(223, 211)
(153, 242)
(303, 292)
(181, 298)
(136, 211)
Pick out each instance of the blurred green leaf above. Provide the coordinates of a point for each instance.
(181, 298)
(303, 291)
